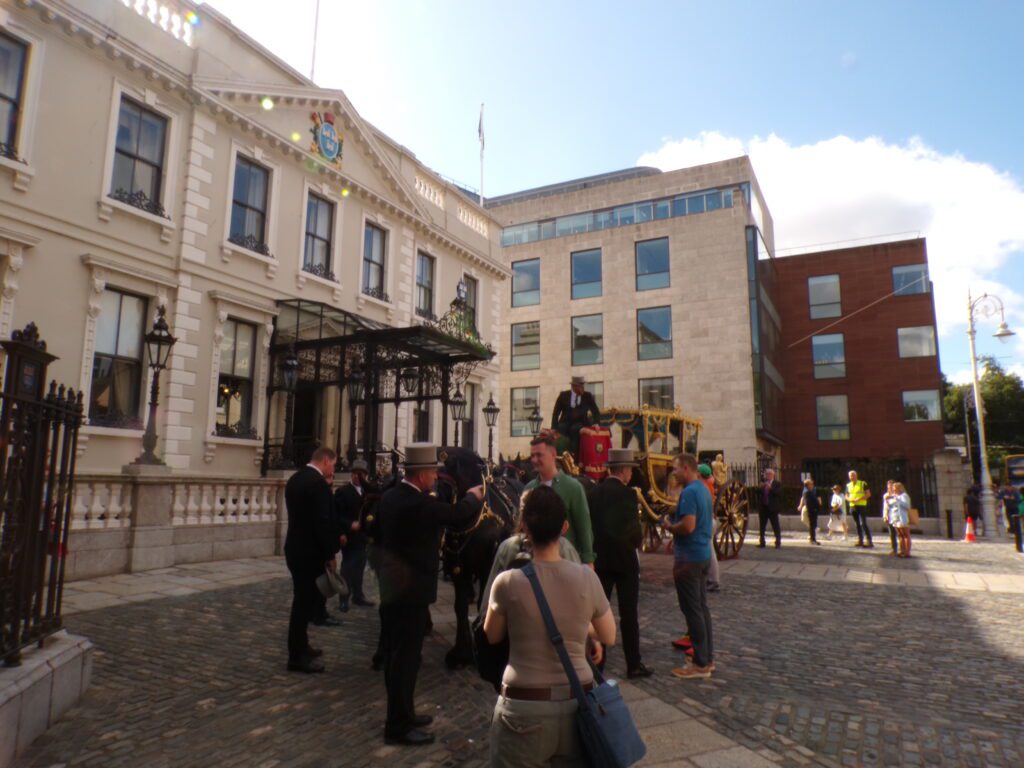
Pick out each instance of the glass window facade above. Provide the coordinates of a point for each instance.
(922, 405)
(115, 394)
(587, 340)
(235, 385)
(833, 417)
(13, 54)
(657, 393)
(623, 215)
(916, 341)
(586, 274)
(139, 154)
(654, 333)
(524, 400)
(829, 353)
(425, 285)
(319, 234)
(374, 248)
(824, 297)
(525, 346)
(526, 283)
(249, 205)
(652, 264)
(911, 279)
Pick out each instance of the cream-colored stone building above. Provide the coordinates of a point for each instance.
(643, 282)
(155, 155)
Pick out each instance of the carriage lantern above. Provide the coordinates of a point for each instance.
(491, 411)
(410, 380)
(356, 383)
(458, 405)
(535, 421)
(290, 371)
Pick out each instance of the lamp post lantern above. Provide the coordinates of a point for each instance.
(985, 305)
(290, 376)
(491, 411)
(458, 406)
(158, 345)
(535, 421)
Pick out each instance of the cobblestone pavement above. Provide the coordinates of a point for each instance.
(812, 669)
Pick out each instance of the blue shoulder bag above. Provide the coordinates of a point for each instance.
(607, 732)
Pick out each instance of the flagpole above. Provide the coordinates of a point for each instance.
(316, 29)
(481, 132)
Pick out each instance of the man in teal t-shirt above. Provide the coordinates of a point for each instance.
(691, 528)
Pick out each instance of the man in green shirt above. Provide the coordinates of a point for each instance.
(543, 457)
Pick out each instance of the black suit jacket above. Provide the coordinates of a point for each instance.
(582, 412)
(616, 523)
(312, 537)
(410, 537)
(348, 509)
(774, 497)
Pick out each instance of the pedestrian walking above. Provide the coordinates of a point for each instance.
(410, 529)
(810, 507)
(857, 495)
(310, 545)
(690, 527)
(349, 501)
(771, 507)
(837, 516)
(617, 535)
(886, 503)
(899, 517)
(534, 721)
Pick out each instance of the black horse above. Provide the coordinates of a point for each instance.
(467, 555)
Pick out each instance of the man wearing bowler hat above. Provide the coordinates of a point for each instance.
(575, 409)
(349, 501)
(617, 534)
(410, 533)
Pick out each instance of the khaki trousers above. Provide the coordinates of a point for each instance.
(531, 734)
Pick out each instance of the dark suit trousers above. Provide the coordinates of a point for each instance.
(627, 583)
(765, 515)
(305, 603)
(353, 564)
(692, 590)
(403, 628)
(860, 517)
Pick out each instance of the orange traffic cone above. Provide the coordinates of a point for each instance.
(969, 535)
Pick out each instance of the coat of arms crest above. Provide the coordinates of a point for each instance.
(326, 141)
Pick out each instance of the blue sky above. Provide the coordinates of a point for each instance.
(862, 119)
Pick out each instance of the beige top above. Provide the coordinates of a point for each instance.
(574, 593)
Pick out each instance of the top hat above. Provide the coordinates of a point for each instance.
(421, 456)
(359, 466)
(578, 380)
(621, 457)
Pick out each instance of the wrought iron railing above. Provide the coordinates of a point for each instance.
(320, 270)
(139, 199)
(10, 152)
(377, 292)
(238, 429)
(251, 243)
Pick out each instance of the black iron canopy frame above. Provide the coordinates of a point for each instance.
(316, 346)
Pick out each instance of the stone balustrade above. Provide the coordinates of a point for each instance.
(204, 501)
(101, 501)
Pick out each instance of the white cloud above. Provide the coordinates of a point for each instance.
(841, 189)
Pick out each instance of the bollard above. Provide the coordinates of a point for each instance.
(949, 524)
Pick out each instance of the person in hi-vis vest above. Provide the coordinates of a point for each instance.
(857, 495)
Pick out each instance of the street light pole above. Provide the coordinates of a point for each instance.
(988, 306)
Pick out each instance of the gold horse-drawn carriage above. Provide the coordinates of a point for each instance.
(658, 436)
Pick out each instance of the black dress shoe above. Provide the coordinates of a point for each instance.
(639, 671)
(412, 738)
(314, 653)
(761, 545)
(422, 721)
(778, 544)
(330, 621)
(305, 665)
(364, 603)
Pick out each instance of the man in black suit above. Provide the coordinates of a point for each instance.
(575, 409)
(771, 507)
(348, 504)
(309, 546)
(410, 535)
(617, 534)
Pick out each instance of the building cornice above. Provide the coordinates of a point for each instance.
(99, 262)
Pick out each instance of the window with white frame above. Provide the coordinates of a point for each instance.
(316, 258)
(374, 250)
(249, 206)
(235, 383)
(115, 395)
(13, 58)
(425, 285)
(139, 157)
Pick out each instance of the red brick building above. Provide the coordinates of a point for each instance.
(859, 355)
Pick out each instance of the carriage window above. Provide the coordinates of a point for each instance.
(524, 400)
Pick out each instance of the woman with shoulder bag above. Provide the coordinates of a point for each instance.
(535, 719)
(809, 508)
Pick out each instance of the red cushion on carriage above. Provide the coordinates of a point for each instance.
(594, 445)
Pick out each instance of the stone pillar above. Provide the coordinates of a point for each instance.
(151, 544)
(281, 529)
(952, 479)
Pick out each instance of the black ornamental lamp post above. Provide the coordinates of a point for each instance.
(535, 421)
(290, 376)
(458, 406)
(356, 384)
(158, 346)
(491, 411)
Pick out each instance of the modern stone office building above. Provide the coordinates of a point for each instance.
(657, 288)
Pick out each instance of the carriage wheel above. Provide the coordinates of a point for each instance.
(653, 536)
(731, 512)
